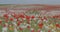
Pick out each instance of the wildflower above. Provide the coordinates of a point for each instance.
(20, 28)
(21, 16)
(6, 16)
(11, 19)
(58, 25)
(32, 30)
(18, 23)
(32, 17)
(40, 25)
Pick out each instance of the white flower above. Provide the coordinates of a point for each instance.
(24, 18)
(4, 29)
(36, 15)
(38, 21)
(23, 26)
(46, 27)
(41, 31)
(9, 15)
(28, 25)
(15, 20)
(15, 30)
(44, 20)
(35, 18)
(20, 19)
(53, 30)
(14, 24)
(32, 29)
(24, 23)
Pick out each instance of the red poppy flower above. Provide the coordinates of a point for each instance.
(11, 19)
(57, 25)
(40, 25)
(4, 25)
(39, 17)
(18, 23)
(27, 17)
(6, 15)
(32, 30)
(15, 15)
(21, 16)
(17, 19)
(28, 27)
(42, 19)
(32, 17)
(49, 31)
(45, 18)
(20, 28)
(55, 16)
(58, 16)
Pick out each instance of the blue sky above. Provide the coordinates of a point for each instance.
(53, 2)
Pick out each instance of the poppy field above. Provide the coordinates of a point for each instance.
(30, 21)
(25, 23)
